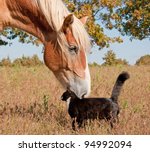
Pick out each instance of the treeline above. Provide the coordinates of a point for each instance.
(24, 61)
(109, 59)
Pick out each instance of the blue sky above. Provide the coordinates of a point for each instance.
(131, 51)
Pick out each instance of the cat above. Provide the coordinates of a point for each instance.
(84, 109)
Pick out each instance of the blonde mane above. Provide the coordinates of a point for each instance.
(55, 11)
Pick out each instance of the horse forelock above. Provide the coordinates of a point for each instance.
(55, 12)
(81, 36)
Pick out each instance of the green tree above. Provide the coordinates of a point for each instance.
(5, 62)
(27, 61)
(144, 60)
(36, 61)
(130, 17)
(12, 33)
(110, 59)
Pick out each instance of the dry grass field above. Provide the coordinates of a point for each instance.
(30, 101)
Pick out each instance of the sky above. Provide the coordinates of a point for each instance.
(131, 51)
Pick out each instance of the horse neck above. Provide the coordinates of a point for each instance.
(26, 16)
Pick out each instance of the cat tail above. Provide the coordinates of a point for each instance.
(118, 86)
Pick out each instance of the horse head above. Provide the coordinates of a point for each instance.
(66, 56)
(64, 37)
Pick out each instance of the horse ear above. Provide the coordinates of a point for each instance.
(67, 22)
(84, 19)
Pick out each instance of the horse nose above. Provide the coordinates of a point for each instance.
(84, 95)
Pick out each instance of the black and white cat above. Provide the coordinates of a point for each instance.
(81, 110)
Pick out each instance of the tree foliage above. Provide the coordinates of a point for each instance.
(95, 28)
(111, 60)
(134, 18)
(144, 60)
(130, 17)
(5, 62)
(12, 33)
(24, 61)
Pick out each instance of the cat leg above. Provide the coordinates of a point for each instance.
(73, 124)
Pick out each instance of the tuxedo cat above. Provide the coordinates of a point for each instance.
(84, 109)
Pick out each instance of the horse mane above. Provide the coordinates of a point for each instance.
(55, 12)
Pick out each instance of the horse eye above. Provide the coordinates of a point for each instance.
(73, 48)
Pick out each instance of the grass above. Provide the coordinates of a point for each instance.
(30, 104)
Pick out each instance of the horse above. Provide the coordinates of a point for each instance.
(64, 37)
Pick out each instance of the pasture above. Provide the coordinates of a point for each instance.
(30, 101)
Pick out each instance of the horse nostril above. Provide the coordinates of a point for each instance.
(84, 95)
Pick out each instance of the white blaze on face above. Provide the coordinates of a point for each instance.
(81, 87)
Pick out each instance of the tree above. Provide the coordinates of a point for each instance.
(130, 17)
(134, 19)
(144, 60)
(110, 59)
(27, 61)
(12, 33)
(5, 62)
